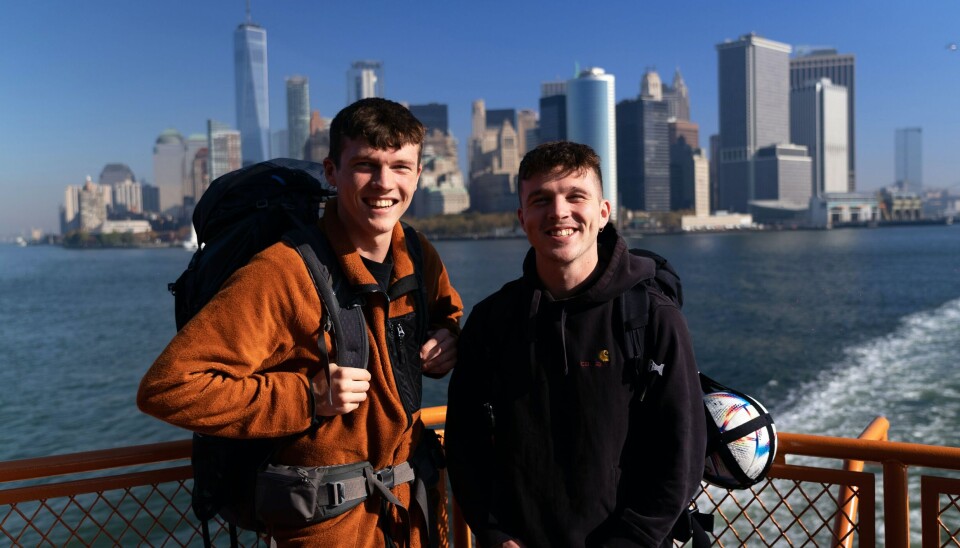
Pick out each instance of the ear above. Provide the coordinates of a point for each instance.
(605, 209)
(520, 218)
(330, 172)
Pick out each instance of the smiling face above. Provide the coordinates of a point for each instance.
(562, 213)
(374, 189)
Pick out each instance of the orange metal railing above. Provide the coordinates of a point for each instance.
(141, 496)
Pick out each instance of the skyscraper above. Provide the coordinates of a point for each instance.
(677, 97)
(223, 145)
(908, 162)
(169, 154)
(298, 115)
(818, 120)
(814, 64)
(754, 101)
(553, 112)
(432, 116)
(592, 120)
(643, 149)
(364, 79)
(253, 105)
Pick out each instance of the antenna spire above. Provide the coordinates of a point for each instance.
(248, 11)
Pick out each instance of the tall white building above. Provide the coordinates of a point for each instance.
(840, 68)
(591, 120)
(819, 121)
(364, 80)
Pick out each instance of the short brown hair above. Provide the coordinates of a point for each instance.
(560, 157)
(382, 123)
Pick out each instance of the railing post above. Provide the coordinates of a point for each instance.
(896, 505)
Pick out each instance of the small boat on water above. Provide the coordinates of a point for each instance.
(192, 244)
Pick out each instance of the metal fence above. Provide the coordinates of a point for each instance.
(141, 496)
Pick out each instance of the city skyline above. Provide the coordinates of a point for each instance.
(83, 91)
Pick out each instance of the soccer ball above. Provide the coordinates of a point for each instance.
(741, 462)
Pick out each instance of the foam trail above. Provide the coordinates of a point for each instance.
(909, 376)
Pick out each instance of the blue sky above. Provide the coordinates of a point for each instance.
(89, 83)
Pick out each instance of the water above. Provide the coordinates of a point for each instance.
(828, 329)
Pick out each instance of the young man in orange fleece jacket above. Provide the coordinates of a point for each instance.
(248, 365)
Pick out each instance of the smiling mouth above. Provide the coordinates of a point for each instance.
(381, 203)
(561, 232)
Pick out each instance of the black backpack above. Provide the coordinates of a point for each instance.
(242, 213)
(635, 308)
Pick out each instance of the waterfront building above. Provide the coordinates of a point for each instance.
(169, 153)
(833, 209)
(840, 68)
(192, 188)
(92, 210)
(553, 112)
(493, 154)
(754, 97)
(527, 130)
(364, 80)
(127, 197)
(685, 156)
(643, 151)
(224, 146)
(714, 158)
(318, 144)
(818, 120)
(198, 171)
(908, 159)
(252, 99)
(151, 198)
(783, 175)
(298, 116)
(900, 205)
(677, 97)
(592, 120)
(441, 189)
(433, 116)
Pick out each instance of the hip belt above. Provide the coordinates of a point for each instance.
(297, 495)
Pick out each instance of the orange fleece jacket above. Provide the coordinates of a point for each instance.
(242, 368)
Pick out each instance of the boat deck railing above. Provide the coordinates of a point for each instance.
(817, 494)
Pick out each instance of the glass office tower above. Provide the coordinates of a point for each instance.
(253, 112)
(591, 120)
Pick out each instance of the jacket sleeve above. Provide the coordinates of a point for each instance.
(667, 439)
(468, 435)
(446, 308)
(240, 367)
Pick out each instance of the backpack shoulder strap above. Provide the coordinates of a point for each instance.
(635, 312)
(347, 324)
(415, 249)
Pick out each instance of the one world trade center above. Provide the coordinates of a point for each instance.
(253, 113)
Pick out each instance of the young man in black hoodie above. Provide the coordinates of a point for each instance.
(548, 441)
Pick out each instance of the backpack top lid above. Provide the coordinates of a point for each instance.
(235, 191)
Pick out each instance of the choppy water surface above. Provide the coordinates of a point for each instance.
(828, 329)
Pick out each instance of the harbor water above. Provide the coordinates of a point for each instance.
(827, 328)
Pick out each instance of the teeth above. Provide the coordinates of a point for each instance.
(381, 203)
(563, 232)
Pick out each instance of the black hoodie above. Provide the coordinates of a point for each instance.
(546, 440)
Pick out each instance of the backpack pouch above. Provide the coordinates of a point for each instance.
(290, 495)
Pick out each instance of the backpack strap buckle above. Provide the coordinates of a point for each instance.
(338, 493)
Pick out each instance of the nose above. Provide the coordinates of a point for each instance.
(558, 208)
(382, 176)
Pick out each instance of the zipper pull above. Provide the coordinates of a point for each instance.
(400, 332)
